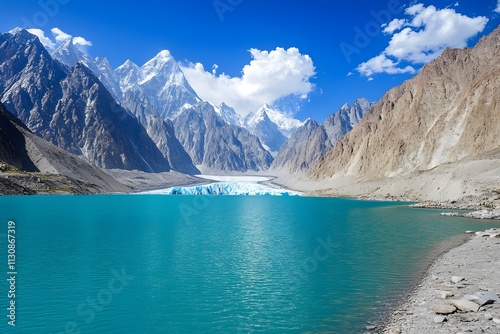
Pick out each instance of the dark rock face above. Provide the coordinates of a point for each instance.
(13, 149)
(156, 93)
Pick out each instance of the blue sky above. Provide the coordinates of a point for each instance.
(319, 41)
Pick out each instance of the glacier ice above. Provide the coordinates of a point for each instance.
(227, 188)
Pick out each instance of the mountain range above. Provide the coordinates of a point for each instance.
(145, 118)
(312, 141)
(158, 91)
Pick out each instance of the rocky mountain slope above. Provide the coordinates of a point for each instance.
(343, 121)
(448, 113)
(228, 115)
(312, 141)
(307, 146)
(69, 54)
(71, 108)
(216, 145)
(29, 163)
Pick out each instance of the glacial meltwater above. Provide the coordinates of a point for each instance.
(197, 264)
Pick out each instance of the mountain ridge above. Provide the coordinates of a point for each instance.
(312, 141)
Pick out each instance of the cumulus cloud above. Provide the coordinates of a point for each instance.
(81, 41)
(59, 37)
(394, 25)
(426, 33)
(382, 64)
(269, 76)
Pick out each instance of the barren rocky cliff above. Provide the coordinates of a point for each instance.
(435, 137)
(450, 111)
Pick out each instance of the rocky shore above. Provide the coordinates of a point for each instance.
(459, 294)
(14, 182)
(25, 183)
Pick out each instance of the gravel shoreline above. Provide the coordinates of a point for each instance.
(445, 300)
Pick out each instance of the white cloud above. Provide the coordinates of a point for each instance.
(349, 74)
(370, 79)
(47, 42)
(60, 35)
(382, 64)
(394, 25)
(497, 10)
(427, 32)
(270, 75)
(59, 38)
(81, 41)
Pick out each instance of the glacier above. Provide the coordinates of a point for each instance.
(227, 188)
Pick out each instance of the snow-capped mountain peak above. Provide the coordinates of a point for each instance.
(272, 126)
(162, 62)
(128, 64)
(258, 117)
(129, 75)
(15, 31)
(159, 83)
(164, 55)
(228, 114)
(286, 124)
(68, 54)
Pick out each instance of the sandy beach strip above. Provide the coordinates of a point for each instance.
(446, 299)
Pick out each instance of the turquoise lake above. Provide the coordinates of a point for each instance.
(225, 264)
